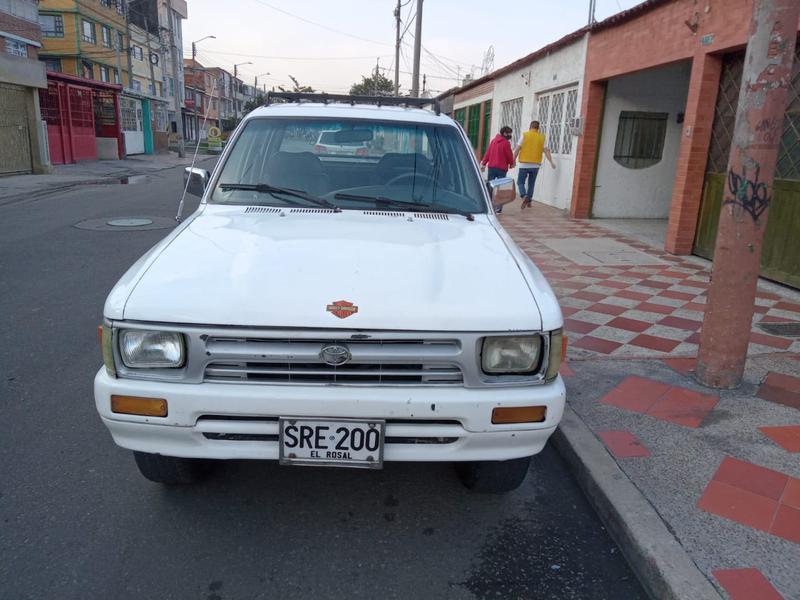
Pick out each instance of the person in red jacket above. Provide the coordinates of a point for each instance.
(499, 157)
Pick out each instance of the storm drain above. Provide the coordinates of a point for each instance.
(126, 224)
(782, 329)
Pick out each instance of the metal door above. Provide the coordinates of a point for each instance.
(132, 125)
(81, 117)
(15, 149)
(780, 255)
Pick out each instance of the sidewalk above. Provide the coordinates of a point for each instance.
(87, 172)
(720, 469)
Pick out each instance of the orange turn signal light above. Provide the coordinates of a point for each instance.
(519, 414)
(133, 405)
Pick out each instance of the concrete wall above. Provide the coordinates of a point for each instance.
(562, 69)
(640, 193)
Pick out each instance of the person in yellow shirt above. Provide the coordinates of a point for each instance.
(530, 148)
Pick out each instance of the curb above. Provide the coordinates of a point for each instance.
(662, 565)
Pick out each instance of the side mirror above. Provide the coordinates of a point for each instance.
(502, 191)
(197, 180)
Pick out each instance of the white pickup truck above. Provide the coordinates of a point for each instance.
(336, 310)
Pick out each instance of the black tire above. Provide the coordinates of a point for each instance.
(493, 477)
(170, 470)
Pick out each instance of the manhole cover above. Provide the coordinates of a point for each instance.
(127, 224)
(783, 329)
(134, 222)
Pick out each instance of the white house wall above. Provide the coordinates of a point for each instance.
(561, 69)
(646, 193)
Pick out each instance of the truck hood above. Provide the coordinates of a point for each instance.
(233, 266)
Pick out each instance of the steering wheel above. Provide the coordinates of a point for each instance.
(393, 180)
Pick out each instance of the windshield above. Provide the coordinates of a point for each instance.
(372, 164)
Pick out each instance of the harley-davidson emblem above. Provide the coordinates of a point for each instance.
(335, 355)
(342, 309)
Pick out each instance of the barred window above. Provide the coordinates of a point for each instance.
(16, 48)
(556, 116)
(52, 25)
(106, 36)
(511, 115)
(640, 139)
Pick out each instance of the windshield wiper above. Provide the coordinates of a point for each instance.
(417, 207)
(265, 188)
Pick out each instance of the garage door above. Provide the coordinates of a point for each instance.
(15, 147)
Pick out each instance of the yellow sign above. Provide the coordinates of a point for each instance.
(214, 140)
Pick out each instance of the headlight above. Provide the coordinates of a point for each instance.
(154, 349)
(510, 355)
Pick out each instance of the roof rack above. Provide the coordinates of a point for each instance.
(350, 99)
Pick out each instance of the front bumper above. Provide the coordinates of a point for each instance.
(234, 421)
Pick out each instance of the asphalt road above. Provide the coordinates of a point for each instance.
(78, 521)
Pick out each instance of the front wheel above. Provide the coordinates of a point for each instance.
(493, 477)
(170, 470)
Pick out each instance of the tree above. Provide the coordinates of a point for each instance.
(376, 84)
(297, 87)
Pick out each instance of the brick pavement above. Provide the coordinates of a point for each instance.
(635, 310)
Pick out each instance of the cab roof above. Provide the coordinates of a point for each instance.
(347, 111)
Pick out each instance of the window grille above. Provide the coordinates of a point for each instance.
(511, 115)
(52, 25)
(640, 139)
(81, 110)
(544, 115)
(127, 108)
(553, 140)
(16, 48)
(49, 104)
(569, 117)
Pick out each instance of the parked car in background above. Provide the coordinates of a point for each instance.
(334, 143)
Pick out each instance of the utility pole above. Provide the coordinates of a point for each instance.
(150, 56)
(377, 72)
(417, 52)
(236, 91)
(177, 86)
(424, 83)
(130, 49)
(745, 206)
(397, 50)
(592, 7)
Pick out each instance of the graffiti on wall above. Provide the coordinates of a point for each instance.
(749, 196)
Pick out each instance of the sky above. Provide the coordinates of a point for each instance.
(330, 44)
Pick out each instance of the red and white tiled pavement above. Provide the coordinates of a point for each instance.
(655, 311)
(633, 310)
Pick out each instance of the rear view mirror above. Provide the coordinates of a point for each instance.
(197, 180)
(502, 191)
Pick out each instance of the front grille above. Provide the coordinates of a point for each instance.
(297, 361)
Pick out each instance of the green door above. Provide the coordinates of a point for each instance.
(780, 255)
(147, 124)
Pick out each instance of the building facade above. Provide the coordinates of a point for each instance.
(86, 39)
(545, 86)
(660, 91)
(24, 146)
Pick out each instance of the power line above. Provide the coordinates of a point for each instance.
(310, 22)
(309, 58)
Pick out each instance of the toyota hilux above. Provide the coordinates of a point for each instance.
(336, 310)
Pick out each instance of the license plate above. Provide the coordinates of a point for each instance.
(333, 442)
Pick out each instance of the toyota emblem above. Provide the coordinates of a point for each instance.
(335, 355)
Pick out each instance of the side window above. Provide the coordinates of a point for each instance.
(640, 139)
